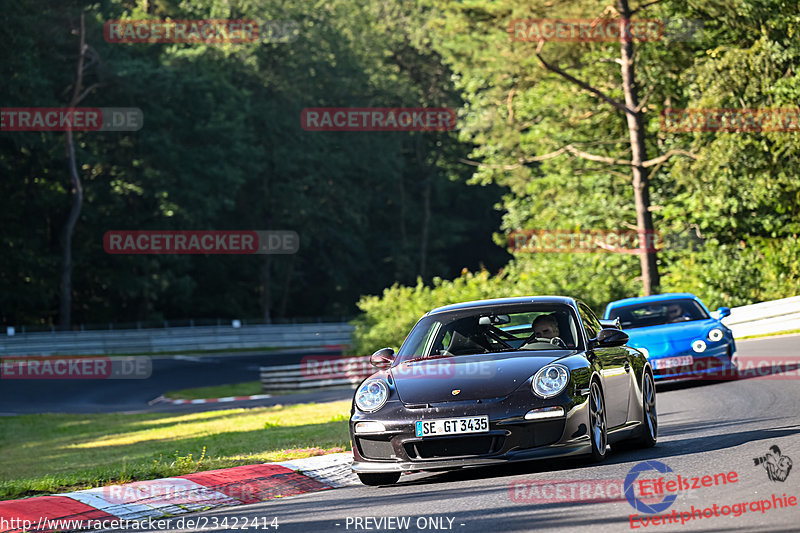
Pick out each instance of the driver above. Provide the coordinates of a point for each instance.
(675, 313)
(545, 327)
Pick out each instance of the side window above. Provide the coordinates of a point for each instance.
(446, 340)
(590, 321)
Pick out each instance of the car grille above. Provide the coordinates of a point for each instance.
(539, 433)
(375, 448)
(454, 447)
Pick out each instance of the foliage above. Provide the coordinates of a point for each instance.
(388, 318)
(738, 199)
(222, 148)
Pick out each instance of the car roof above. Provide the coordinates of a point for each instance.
(654, 298)
(519, 300)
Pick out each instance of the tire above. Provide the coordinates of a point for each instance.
(649, 435)
(598, 429)
(376, 480)
(734, 371)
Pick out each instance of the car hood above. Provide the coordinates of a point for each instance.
(473, 376)
(667, 339)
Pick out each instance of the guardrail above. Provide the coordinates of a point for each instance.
(764, 317)
(316, 373)
(176, 339)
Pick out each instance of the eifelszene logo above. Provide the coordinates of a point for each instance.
(666, 486)
(636, 502)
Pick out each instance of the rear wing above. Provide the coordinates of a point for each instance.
(611, 323)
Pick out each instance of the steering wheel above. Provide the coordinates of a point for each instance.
(557, 341)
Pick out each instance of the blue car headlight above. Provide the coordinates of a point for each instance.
(550, 380)
(372, 395)
(715, 335)
(699, 346)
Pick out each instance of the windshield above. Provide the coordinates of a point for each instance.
(658, 313)
(479, 331)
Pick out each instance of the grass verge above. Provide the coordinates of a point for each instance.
(248, 388)
(776, 334)
(51, 453)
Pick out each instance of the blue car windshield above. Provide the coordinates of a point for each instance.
(479, 331)
(658, 313)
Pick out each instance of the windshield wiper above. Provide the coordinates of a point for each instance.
(423, 358)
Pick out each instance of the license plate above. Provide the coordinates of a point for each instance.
(452, 426)
(672, 362)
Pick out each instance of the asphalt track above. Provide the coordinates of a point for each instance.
(706, 428)
(20, 396)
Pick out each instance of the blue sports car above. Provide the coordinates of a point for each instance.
(681, 338)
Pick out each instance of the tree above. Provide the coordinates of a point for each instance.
(534, 123)
(76, 189)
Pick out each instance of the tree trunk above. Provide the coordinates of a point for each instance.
(641, 191)
(426, 223)
(76, 189)
(266, 283)
(266, 269)
(287, 286)
(428, 172)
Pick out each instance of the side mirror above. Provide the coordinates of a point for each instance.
(383, 358)
(609, 337)
(611, 323)
(723, 312)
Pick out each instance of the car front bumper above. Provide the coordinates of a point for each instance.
(715, 363)
(510, 437)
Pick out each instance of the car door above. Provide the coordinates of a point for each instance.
(615, 371)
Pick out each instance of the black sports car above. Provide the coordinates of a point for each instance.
(501, 380)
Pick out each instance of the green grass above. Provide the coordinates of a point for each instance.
(50, 453)
(776, 334)
(247, 388)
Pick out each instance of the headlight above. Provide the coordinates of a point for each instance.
(550, 380)
(372, 395)
(715, 334)
(699, 346)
